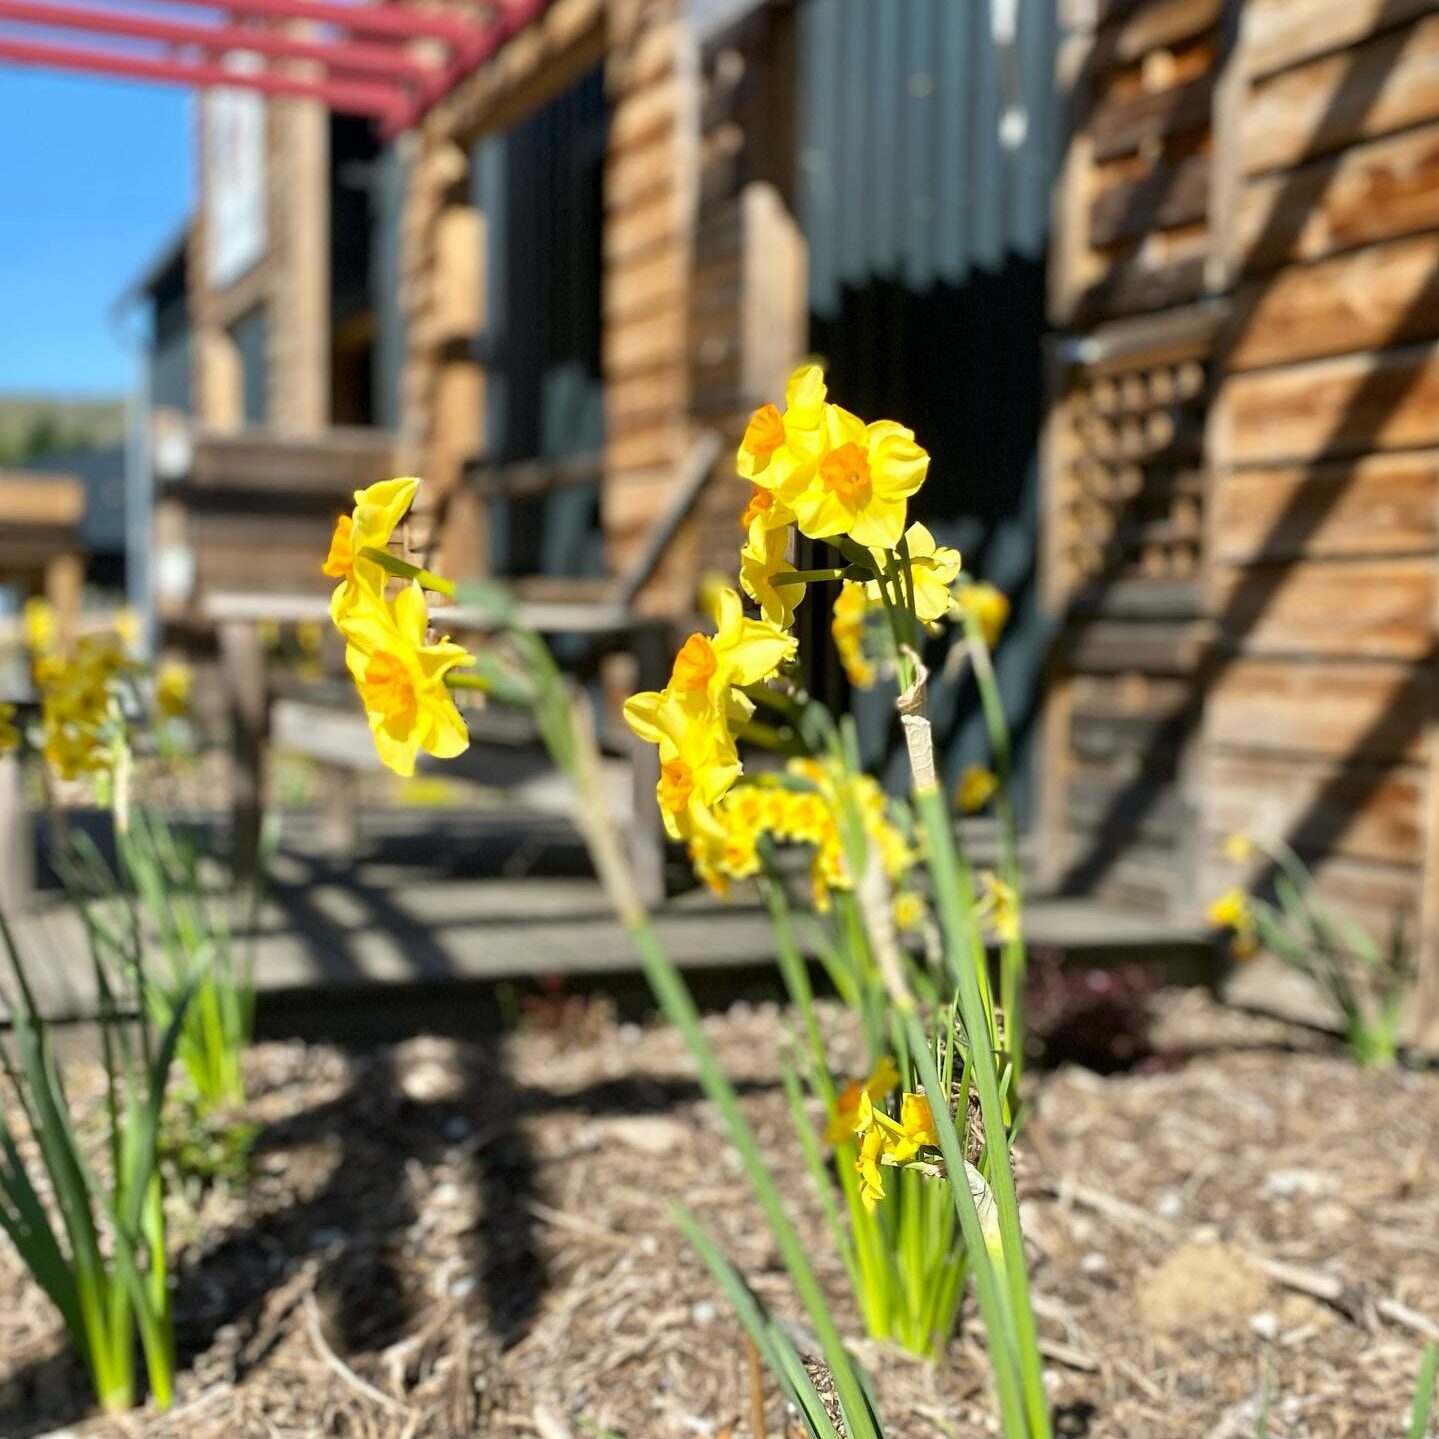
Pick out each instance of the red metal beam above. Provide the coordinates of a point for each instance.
(393, 22)
(351, 97)
(354, 57)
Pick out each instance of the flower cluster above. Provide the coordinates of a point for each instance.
(399, 674)
(884, 1140)
(816, 468)
(804, 807)
(693, 718)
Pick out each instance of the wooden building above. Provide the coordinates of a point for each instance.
(612, 239)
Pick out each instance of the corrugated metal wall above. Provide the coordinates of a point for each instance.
(927, 236)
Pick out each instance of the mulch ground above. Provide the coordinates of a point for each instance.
(456, 1239)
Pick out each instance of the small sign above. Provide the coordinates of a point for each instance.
(234, 177)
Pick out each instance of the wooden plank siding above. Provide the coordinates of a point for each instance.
(1320, 717)
(1293, 188)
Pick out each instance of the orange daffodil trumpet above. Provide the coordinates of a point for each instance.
(401, 676)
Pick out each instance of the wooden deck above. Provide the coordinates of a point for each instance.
(439, 909)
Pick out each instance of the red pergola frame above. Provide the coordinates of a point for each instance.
(378, 75)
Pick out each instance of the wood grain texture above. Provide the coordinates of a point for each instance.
(1368, 192)
(1380, 504)
(1359, 608)
(1344, 406)
(1338, 710)
(1377, 87)
(1280, 33)
(1360, 810)
(1386, 294)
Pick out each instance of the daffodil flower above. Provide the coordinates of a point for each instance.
(999, 906)
(378, 509)
(933, 568)
(173, 684)
(779, 450)
(401, 679)
(698, 760)
(987, 604)
(977, 786)
(867, 1165)
(852, 606)
(883, 1080)
(860, 483)
(761, 558)
(742, 652)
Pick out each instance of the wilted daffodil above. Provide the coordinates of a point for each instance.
(378, 509)
(934, 568)
(889, 1141)
(999, 907)
(401, 679)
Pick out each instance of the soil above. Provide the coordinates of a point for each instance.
(443, 1239)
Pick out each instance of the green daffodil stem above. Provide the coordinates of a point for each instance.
(393, 564)
(812, 577)
(482, 683)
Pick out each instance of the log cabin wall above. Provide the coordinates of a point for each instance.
(1320, 723)
(1271, 171)
(1125, 450)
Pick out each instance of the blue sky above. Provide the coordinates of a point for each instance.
(95, 178)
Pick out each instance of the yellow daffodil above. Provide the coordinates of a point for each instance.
(1230, 910)
(851, 607)
(38, 622)
(378, 509)
(999, 906)
(987, 604)
(934, 568)
(742, 652)
(909, 911)
(761, 558)
(861, 482)
(867, 1166)
(401, 679)
(916, 1123)
(9, 734)
(977, 786)
(883, 1079)
(698, 760)
(173, 683)
(764, 507)
(779, 450)
(1238, 849)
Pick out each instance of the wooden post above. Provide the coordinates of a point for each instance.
(242, 665)
(17, 838)
(64, 580)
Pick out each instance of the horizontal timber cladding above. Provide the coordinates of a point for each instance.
(1321, 720)
(1278, 164)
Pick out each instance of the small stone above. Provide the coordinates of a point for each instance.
(704, 1312)
(1094, 1263)
(1266, 1325)
(1170, 1205)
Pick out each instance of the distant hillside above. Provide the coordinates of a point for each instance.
(32, 426)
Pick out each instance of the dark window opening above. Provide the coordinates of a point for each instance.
(248, 335)
(354, 178)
